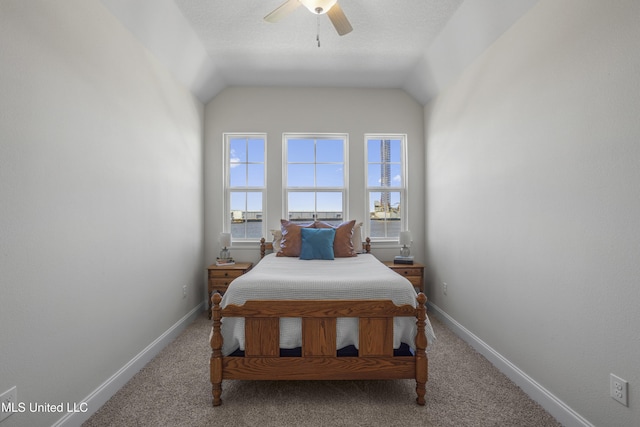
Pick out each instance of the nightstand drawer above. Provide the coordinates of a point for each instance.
(415, 280)
(220, 283)
(217, 274)
(408, 271)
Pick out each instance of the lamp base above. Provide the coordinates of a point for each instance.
(404, 251)
(225, 253)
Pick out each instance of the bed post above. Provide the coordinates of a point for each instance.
(367, 245)
(421, 346)
(216, 351)
(262, 247)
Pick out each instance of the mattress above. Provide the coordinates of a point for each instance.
(290, 278)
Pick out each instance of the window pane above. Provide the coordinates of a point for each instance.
(300, 176)
(329, 150)
(253, 226)
(374, 175)
(246, 214)
(246, 230)
(300, 150)
(301, 206)
(242, 174)
(238, 150)
(384, 214)
(238, 201)
(254, 203)
(373, 151)
(395, 175)
(329, 202)
(238, 205)
(385, 204)
(256, 175)
(329, 175)
(377, 228)
(384, 228)
(384, 175)
(380, 150)
(238, 230)
(395, 151)
(379, 175)
(238, 175)
(256, 150)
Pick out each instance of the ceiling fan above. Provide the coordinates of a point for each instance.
(318, 7)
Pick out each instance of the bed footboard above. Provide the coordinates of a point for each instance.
(318, 359)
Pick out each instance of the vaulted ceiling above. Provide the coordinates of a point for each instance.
(415, 45)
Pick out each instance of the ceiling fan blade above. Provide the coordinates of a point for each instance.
(339, 20)
(282, 11)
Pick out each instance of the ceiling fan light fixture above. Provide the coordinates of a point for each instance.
(318, 6)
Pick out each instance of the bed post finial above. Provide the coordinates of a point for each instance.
(216, 351)
(367, 245)
(262, 247)
(422, 363)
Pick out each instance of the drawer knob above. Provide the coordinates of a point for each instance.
(226, 274)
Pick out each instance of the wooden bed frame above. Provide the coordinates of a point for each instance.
(318, 359)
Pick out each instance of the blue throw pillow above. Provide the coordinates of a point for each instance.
(317, 243)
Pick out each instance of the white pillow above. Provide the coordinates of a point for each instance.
(277, 238)
(357, 238)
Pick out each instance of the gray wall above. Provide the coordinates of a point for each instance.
(279, 110)
(101, 212)
(533, 201)
(531, 194)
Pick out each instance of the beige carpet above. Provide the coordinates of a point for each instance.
(464, 389)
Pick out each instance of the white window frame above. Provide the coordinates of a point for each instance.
(402, 189)
(285, 166)
(226, 203)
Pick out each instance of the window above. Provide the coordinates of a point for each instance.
(315, 177)
(386, 185)
(245, 185)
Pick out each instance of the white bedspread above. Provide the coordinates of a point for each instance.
(361, 277)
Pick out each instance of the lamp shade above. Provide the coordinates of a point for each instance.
(323, 5)
(405, 238)
(225, 239)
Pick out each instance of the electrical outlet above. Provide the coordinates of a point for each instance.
(8, 402)
(184, 291)
(444, 287)
(619, 389)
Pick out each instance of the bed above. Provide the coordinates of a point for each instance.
(287, 319)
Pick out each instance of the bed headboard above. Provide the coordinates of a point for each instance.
(268, 246)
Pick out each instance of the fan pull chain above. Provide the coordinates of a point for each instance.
(318, 31)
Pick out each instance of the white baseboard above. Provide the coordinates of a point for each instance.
(107, 389)
(557, 408)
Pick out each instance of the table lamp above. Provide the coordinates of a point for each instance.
(405, 241)
(225, 242)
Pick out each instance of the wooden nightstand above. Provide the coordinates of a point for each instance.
(220, 276)
(414, 272)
